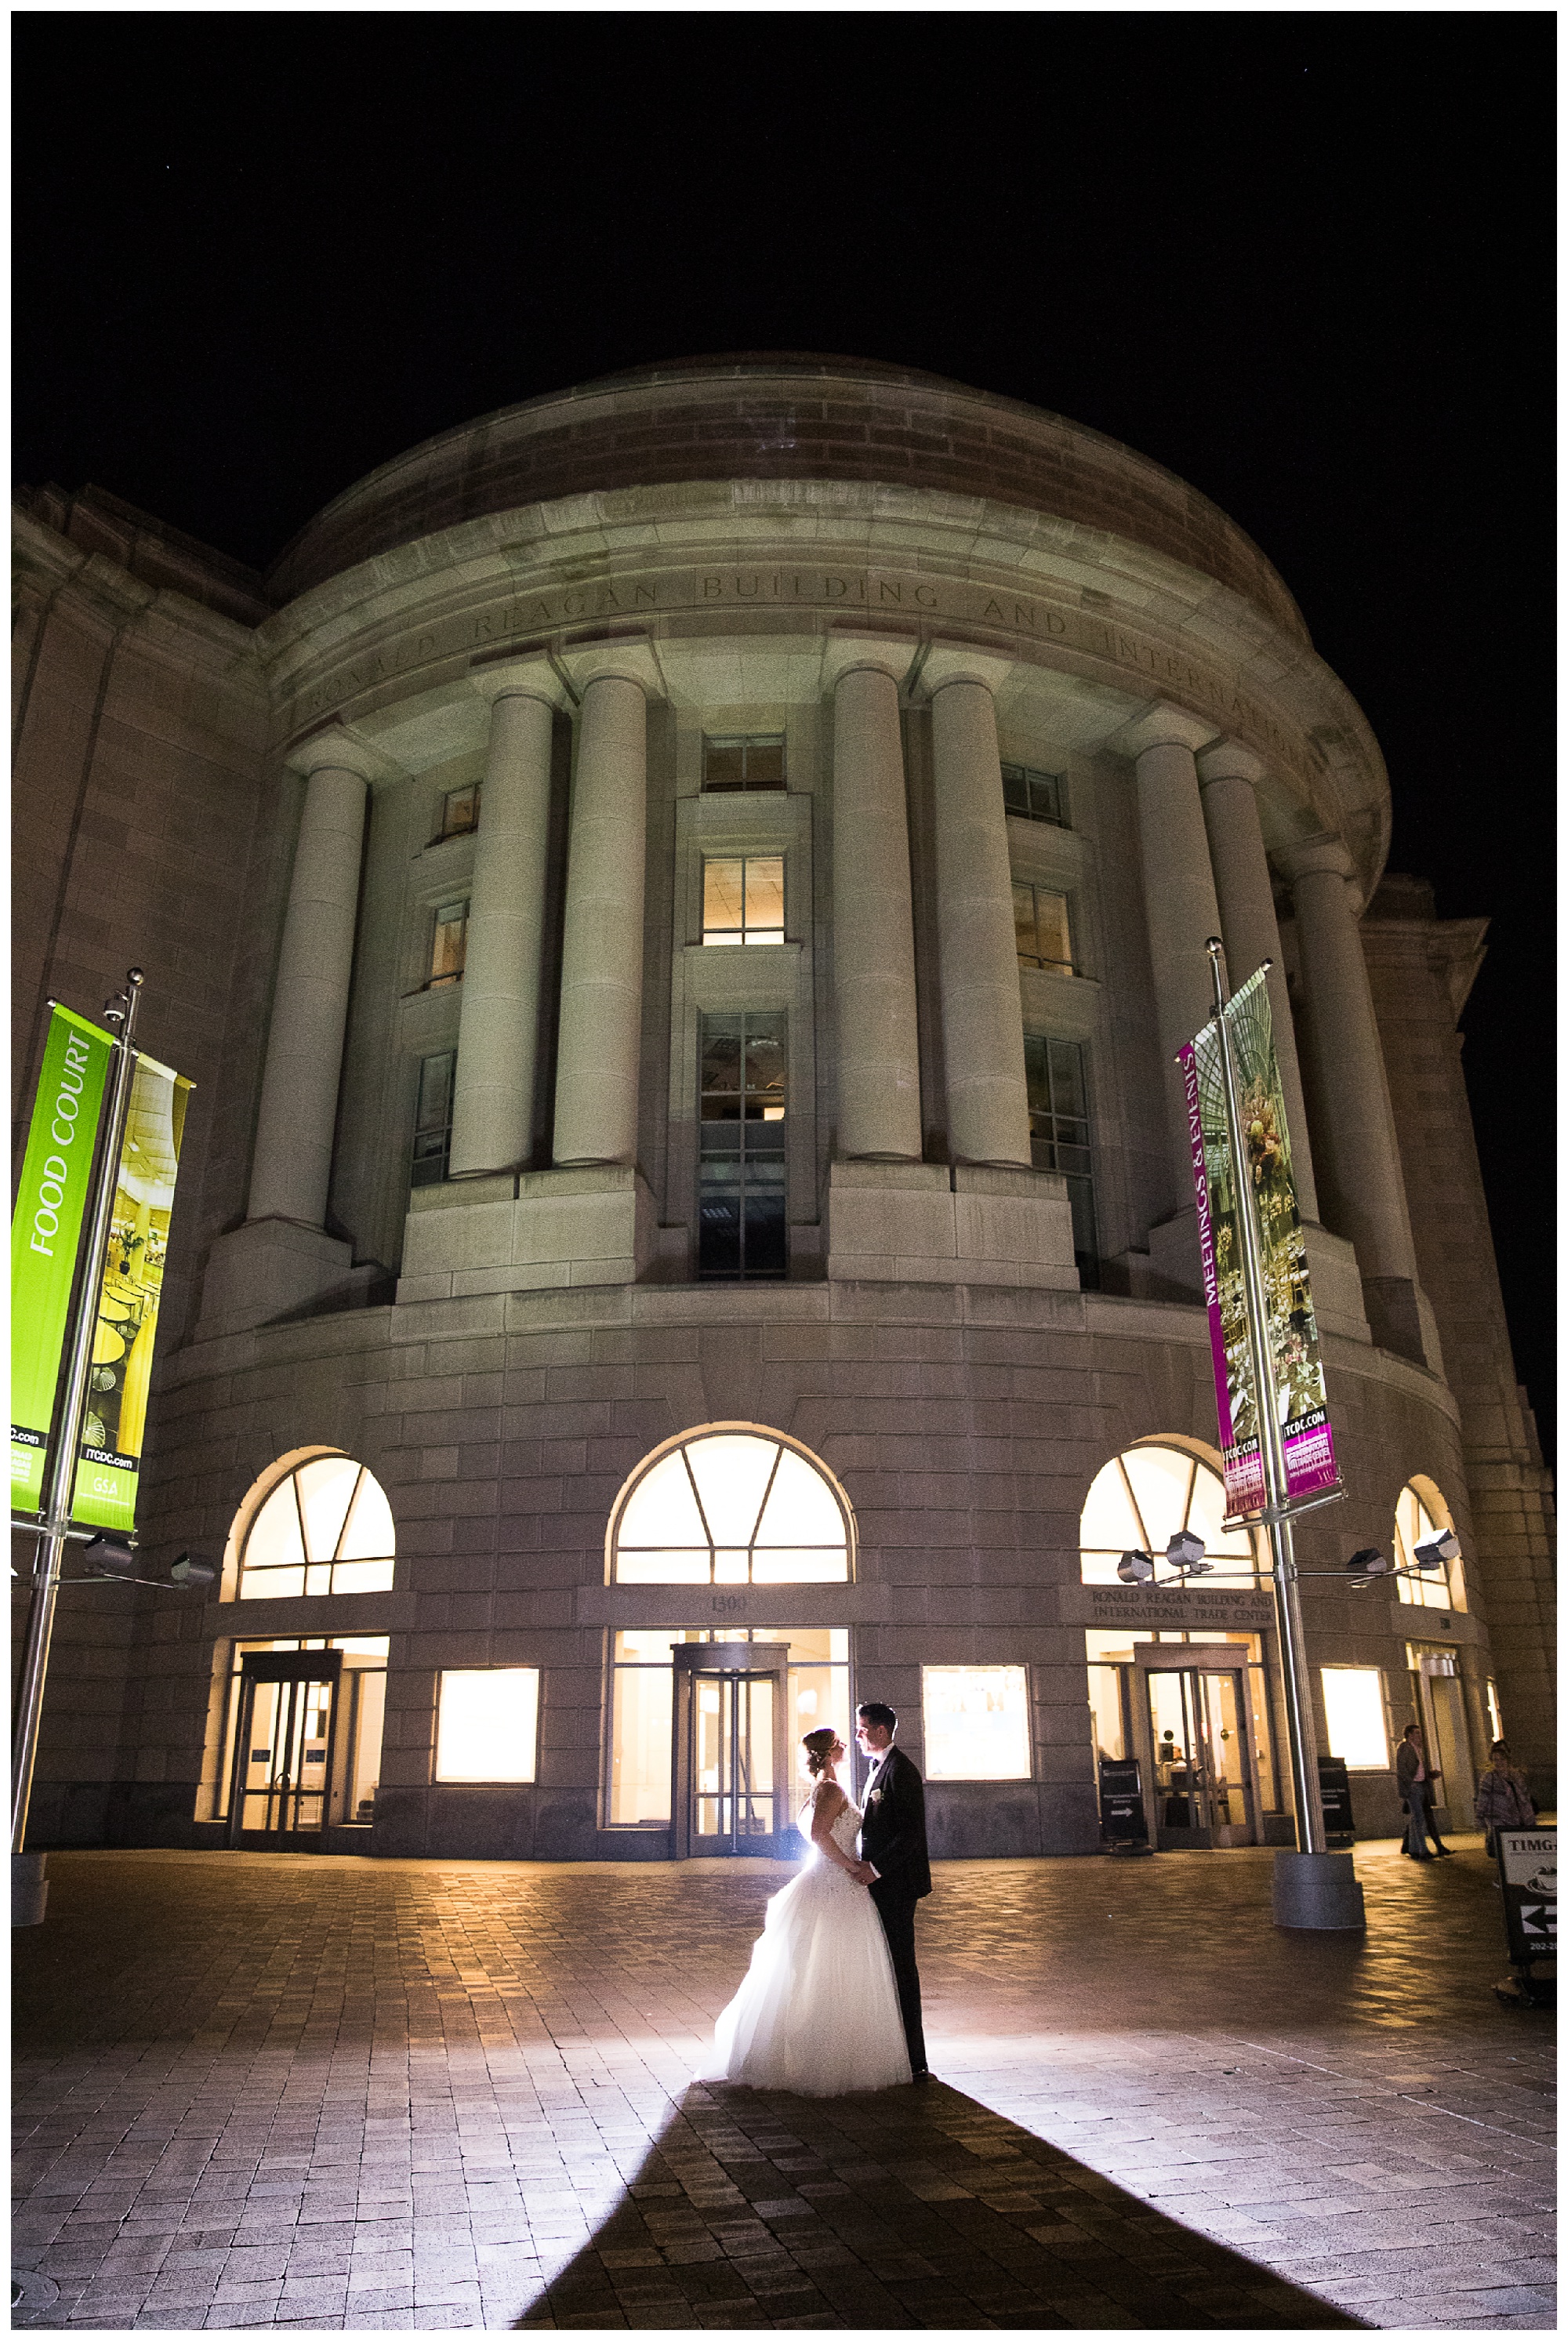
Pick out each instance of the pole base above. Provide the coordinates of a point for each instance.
(1317, 1891)
(29, 1888)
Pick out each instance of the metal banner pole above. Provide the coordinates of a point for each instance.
(1330, 1899)
(28, 1887)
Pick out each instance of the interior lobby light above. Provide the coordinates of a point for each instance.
(1185, 1552)
(1135, 1568)
(1439, 1551)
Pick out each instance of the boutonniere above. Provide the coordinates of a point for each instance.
(877, 1796)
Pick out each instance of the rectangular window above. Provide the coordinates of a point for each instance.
(743, 899)
(433, 1119)
(750, 761)
(1059, 1136)
(487, 1723)
(459, 811)
(448, 945)
(741, 1168)
(1034, 796)
(641, 1707)
(976, 1723)
(1352, 1706)
(1040, 924)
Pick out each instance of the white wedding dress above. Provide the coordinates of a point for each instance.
(818, 2011)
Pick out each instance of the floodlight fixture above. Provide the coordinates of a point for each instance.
(1364, 1566)
(191, 1571)
(1135, 1568)
(1438, 1551)
(109, 1556)
(1185, 1552)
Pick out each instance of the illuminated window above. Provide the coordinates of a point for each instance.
(1419, 1514)
(642, 1706)
(433, 1119)
(325, 1528)
(1353, 1705)
(449, 943)
(754, 760)
(1494, 1711)
(741, 1218)
(487, 1723)
(459, 811)
(1059, 1136)
(1040, 923)
(1142, 1499)
(743, 899)
(730, 1506)
(1034, 796)
(976, 1723)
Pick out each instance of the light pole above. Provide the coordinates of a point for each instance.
(1312, 1886)
(29, 1886)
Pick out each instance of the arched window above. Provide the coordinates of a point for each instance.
(315, 1522)
(1419, 1514)
(1142, 1497)
(731, 1505)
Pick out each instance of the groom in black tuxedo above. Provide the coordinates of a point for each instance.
(892, 1848)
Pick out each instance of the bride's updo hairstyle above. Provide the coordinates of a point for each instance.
(818, 1746)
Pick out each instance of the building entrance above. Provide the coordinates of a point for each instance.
(284, 1746)
(1197, 1752)
(729, 1794)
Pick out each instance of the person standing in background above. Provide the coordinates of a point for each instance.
(1416, 1784)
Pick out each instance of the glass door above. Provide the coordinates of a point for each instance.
(283, 1748)
(731, 1769)
(1204, 1791)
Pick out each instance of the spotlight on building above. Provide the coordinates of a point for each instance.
(1364, 1566)
(109, 1556)
(1185, 1552)
(190, 1569)
(1439, 1551)
(1135, 1568)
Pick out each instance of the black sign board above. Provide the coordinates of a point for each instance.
(1334, 1787)
(1528, 1861)
(1122, 1816)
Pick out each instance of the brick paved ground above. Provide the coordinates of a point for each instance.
(259, 2090)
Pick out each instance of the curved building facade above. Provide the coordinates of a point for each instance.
(679, 900)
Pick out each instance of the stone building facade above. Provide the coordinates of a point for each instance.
(679, 902)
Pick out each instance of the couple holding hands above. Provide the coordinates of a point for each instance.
(831, 2001)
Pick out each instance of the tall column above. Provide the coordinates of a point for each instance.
(602, 954)
(873, 923)
(498, 1030)
(1228, 776)
(1179, 904)
(292, 1164)
(1360, 1186)
(982, 1019)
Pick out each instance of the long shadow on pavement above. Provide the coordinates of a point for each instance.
(911, 2208)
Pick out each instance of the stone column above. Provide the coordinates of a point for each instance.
(601, 955)
(1360, 1184)
(872, 921)
(1229, 776)
(498, 1032)
(1179, 905)
(981, 1018)
(291, 1164)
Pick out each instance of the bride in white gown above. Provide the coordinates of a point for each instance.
(818, 2011)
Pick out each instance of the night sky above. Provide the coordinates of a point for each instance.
(1304, 261)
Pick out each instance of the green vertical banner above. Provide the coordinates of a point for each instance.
(46, 1232)
(109, 1466)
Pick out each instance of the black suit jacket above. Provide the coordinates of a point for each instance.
(893, 1831)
